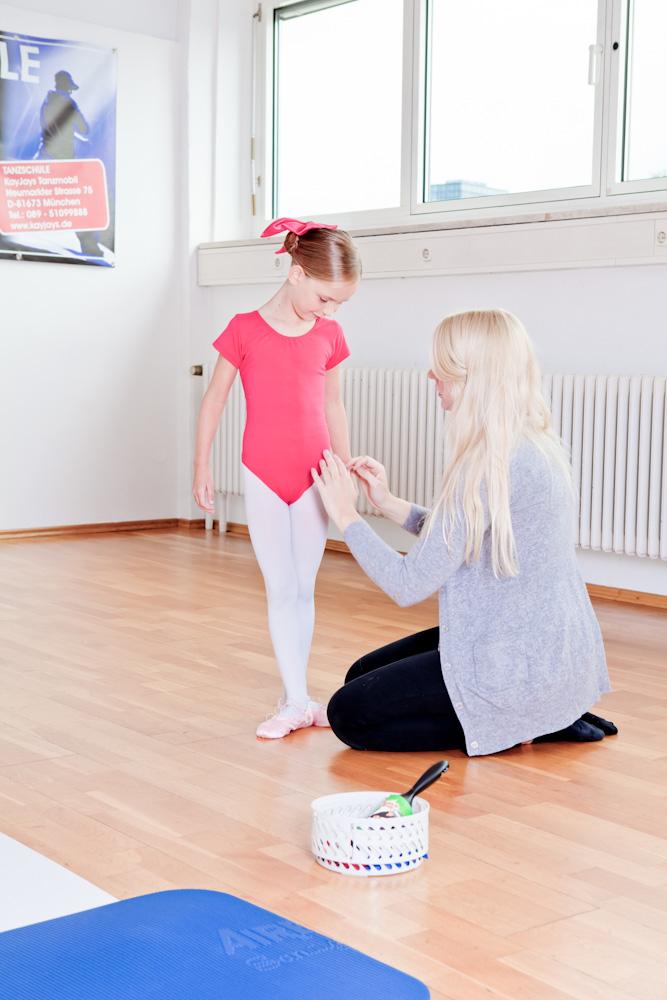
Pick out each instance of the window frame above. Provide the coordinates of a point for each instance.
(519, 200)
(605, 194)
(264, 140)
(615, 107)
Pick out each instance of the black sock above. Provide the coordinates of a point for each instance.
(579, 732)
(608, 728)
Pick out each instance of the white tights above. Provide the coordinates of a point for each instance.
(288, 540)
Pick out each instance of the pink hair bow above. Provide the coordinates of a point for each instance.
(293, 226)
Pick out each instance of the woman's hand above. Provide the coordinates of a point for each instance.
(373, 476)
(202, 489)
(337, 489)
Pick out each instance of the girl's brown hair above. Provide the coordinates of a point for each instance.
(325, 254)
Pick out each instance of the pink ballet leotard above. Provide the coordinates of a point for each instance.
(283, 380)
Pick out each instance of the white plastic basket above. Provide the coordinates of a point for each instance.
(344, 841)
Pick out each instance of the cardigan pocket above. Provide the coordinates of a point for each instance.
(502, 672)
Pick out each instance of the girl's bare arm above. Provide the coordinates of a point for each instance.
(210, 412)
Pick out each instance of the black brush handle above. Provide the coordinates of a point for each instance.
(427, 778)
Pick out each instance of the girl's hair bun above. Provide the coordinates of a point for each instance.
(322, 249)
(328, 255)
(291, 242)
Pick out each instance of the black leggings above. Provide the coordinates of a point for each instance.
(395, 699)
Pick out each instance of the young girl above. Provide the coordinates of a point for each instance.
(288, 352)
(518, 654)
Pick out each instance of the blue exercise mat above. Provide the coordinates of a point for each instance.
(188, 944)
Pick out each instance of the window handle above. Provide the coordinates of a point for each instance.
(593, 62)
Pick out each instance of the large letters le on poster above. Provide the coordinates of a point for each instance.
(57, 150)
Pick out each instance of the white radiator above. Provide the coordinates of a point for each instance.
(615, 428)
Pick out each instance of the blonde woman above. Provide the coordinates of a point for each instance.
(518, 654)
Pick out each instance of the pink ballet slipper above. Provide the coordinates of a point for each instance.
(319, 714)
(285, 721)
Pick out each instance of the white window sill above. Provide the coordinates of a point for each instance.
(633, 233)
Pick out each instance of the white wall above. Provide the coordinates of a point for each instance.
(201, 31)
(93, 360)
(150, 17)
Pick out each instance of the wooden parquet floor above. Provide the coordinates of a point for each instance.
(134, 670)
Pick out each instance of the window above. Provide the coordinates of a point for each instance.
(643, 152)
(386, 112)
(510, 99)
(337, 106)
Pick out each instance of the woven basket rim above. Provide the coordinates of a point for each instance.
(327, 804)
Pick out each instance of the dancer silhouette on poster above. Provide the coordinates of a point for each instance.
(61, 120)
(62, 124)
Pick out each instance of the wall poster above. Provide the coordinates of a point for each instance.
(57, 151)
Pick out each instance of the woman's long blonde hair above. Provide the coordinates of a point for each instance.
(488, 359)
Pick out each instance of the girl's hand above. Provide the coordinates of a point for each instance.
(373, 476)
(337, 489)
(202, 490)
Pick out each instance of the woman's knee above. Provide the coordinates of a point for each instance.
(342, 715)
(358, 669)
(337, 710)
